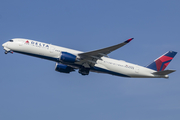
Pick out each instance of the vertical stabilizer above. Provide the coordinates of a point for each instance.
(162, 62)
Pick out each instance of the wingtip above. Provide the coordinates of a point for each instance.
(127, 41)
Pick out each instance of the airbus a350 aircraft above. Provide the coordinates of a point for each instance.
(68, 60)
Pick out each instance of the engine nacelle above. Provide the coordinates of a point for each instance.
(63, 68)
(67, 57)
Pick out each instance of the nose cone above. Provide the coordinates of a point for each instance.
(3, 45)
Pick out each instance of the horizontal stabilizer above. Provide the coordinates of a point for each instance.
(165, 72)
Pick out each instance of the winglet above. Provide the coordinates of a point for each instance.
(127, 41)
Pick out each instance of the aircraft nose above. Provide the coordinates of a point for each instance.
(4, 44)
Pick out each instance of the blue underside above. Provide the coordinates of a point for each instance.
(97, 69)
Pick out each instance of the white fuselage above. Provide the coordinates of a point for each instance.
(103, 65)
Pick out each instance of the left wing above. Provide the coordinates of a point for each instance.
(90, 58)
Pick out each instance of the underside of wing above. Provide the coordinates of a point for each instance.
(90, 58)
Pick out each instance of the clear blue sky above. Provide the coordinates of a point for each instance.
(30, 89)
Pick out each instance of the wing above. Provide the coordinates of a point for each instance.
(88, 59)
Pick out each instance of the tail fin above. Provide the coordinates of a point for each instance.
(162, 62)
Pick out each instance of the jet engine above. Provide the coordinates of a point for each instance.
(67, 57)
(63, 68)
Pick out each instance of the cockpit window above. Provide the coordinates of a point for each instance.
(10, 40)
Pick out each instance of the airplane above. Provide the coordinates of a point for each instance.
(68, 60)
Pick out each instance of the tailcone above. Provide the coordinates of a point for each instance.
(166, 76)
